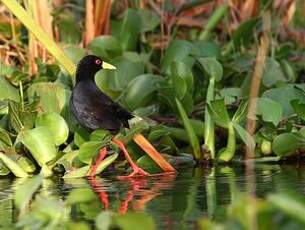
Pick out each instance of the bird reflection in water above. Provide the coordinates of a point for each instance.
(140, 190)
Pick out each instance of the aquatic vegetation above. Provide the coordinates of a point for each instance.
(184, 67)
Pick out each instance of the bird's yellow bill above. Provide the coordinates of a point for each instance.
(106, 65)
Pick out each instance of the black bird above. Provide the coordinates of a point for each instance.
(93, 109)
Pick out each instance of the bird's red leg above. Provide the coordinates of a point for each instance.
(136, 169)
(102, 154)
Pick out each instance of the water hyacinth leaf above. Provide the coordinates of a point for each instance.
(140, 91)
(190, 131)
(299, 108)
(244, 34)
(12, 166)
(145, 162)
(284, 95)
(88, 150)
(178, 50)
(53, 97)
(75, 53)
(130, 29)
(211, 67)
(181, 70)
(207, 49)
(244, 136)
(105, 163)
(219, 113)
(270, 110)
(272, 73)
(5, 137)
(8, 92)
(26, 164)
(80, 195)
(107, 47)
(56, 124)
(241, 112)
(149, 20)
(40, 142)
(226, 154)
(111, 81)
(286, 144)
(26, 191)
(230, 95)
(81, 135)
(77, 173)
(3, 169)
(99, 135)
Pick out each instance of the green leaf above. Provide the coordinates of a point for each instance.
(299, 108)
(110, 81)
(208, 49)
(26, 164)
(178, 50)
(75, 53)
(88, 150)
(145, 162)
(13, 166)
(5, 138)
(284, 95)
(40, 142)
(140, 91)
(4, 171)
(53, 96)
(25, 192)
(181, 70)
(211, 67)
(105, 163)
(243, 35)
(56, 124)
(107, 47)
(241, 112)
(244, 136)
(130, 29)
(81, 135)
(286, 144)
(8, 91)
(149, 20)
(230, 95)
(272, 73)
(270, 110)
(190, 131)
(219, 113)
(77, 173)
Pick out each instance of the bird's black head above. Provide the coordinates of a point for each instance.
(87, 67)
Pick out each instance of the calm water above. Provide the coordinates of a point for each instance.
(174, 201)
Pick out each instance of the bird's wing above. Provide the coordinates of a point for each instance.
(94, 109)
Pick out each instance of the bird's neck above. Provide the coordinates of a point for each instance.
(85, 76)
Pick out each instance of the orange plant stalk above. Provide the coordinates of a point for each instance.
(102, 17)
(89, 23)
(153, 153)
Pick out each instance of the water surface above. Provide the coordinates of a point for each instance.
(174, 201)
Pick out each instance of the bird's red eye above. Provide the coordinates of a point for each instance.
(98, 62)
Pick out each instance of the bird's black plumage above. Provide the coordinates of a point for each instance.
(92, 108)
